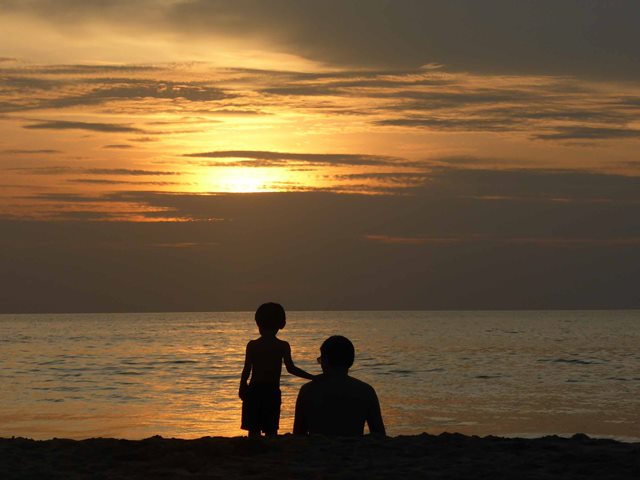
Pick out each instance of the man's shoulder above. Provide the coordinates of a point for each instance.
(318, 382)
(360, 386)
(344, 384)
(308, 388)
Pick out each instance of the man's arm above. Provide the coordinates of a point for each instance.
(374, 416)
(246, 371)
(291, 368)
(300, 426)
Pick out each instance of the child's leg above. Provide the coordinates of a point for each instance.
(271, 433)
(254, 433)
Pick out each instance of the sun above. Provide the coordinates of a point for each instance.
(242, 180)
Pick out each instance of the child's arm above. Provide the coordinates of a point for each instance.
(246, 371)
(291, 368)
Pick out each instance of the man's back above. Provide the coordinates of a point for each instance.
(337, 405)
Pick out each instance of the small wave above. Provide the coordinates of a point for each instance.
(400, 373)
(574, 361)
(379, 364)
(52, 362)
(488, 377)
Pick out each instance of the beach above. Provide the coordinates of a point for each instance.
(445, 456)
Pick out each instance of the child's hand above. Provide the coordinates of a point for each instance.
(242, 393)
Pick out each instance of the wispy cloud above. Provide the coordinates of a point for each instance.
(26, 151)
(102, 181)
(118, 146)
(589, 133)
(266, 158)
(82, 69)
(568, 242)
(65, 170)
(155, 90)
(90, 126)
(558, 109)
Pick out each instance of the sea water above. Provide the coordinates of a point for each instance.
(515, 373)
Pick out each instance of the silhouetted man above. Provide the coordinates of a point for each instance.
(335, 403)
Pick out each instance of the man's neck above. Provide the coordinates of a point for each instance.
(335, 372)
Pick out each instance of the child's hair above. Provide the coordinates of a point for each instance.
(271, 316)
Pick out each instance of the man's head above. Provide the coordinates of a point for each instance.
(270, 317)
(337, 353)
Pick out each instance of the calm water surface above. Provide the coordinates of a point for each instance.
(176, 374)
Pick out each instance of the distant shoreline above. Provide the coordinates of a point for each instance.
(332, 310)
(448, 455)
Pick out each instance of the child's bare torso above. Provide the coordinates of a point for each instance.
(266, 354)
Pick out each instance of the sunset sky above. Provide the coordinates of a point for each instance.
(193, 155)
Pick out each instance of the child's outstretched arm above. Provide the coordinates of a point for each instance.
(291, 368)
(246, 371)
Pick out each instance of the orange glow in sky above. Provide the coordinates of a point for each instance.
(97, 102)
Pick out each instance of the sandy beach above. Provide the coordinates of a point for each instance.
(451, 456)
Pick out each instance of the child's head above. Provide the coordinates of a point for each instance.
(270, 316)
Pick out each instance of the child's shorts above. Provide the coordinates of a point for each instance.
(261, 408)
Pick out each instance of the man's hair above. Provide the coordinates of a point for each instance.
(338, 351)
(271, 316)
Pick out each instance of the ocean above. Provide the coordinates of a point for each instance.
(507, 373)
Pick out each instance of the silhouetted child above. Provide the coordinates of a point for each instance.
(263, 361)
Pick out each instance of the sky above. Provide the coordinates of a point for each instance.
(202, 155)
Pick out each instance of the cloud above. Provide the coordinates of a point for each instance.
(118, 146)
(567, 242)
(542, 107)
(389, 240)
(28, 83)
(589, 133)
(157, 90)
(267, 158)
(27, 88)
(128, 171)
(443, 245)
(102, 181)
(301, 90)
(185, 245)
(588, 38)
(451, 123)
(528, 185)
(70, 198)
(26, 151)
(82, 69)
(65, 170)
(93, 127)
(539, 111)
(431, 248)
